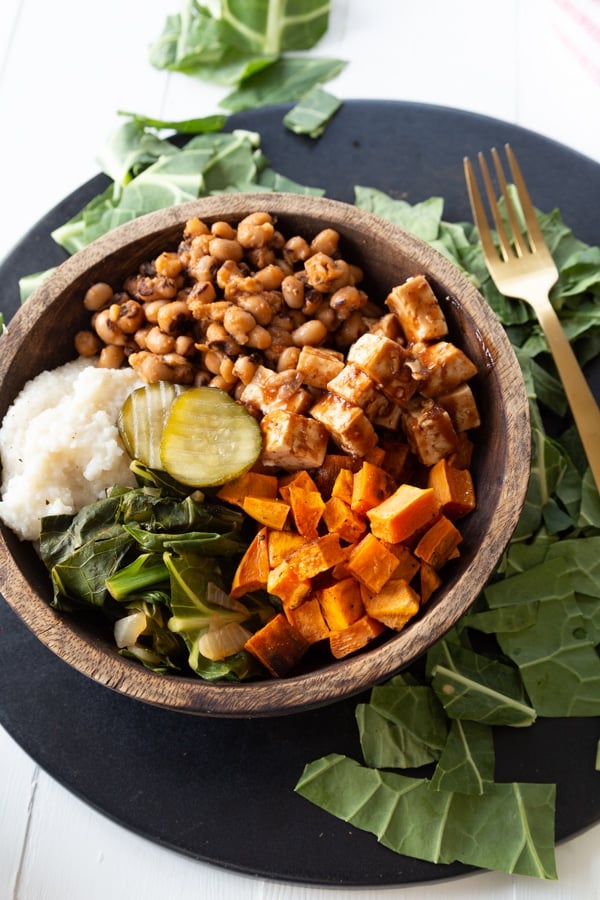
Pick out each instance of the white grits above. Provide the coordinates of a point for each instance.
(60, 448)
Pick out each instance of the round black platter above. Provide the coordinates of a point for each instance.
(222, 790)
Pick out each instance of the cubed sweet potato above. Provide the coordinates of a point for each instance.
(284, 583)
(439, 543)
(430, 582)
(372, 563)
(370, 487)
(341, 603)
(300, 479)
(408, 510)
(394, 605)
(317, 556)
(407, 566)
(307, 510)
(252, 572)
(272, 513)
(250, 484)
(308, 620)
(453, 488)
(278, 645)
(333, 464)
(355, 636)
(282, 544)
(341, 519)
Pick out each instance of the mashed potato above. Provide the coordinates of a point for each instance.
(59, 445)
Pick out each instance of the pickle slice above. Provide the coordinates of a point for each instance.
(142, 420)
(208, 438)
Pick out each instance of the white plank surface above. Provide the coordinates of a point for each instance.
(65, 70)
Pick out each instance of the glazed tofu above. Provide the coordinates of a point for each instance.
(293, 441)
(446, 366)
(429, 431)
(417, 309)
(358, 388)
(387, 363)
(318, 365)
(269, 391)
(461, 407)
(347, 424)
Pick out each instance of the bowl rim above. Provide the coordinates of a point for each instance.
(354, 674)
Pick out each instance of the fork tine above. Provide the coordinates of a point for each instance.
(521, 247)
(479, 214)
(503, 237)
(533, 229)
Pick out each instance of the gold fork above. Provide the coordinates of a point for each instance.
(523, 268)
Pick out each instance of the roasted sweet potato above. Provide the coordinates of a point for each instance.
(308, 620)
(439, 543)
(372, 563)
(272, 513)
(250, 484)
(282, 544)
(355, 636)
(341, 603)
(394, 605)
(285, 584)
(407, 511)
(340, 519)
(307, 510)
(453, 488)
(317, 556)
(371, 486)
(252, 572)
(278, 645)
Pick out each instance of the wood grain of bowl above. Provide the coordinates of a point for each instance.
(41, 337)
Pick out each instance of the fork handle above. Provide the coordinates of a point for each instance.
(581, 400)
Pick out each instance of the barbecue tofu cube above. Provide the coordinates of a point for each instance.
(461, 407)
(317, 365)
(446, 366)
(269, 391)
(347, 424)
(387, 363)
(358, 388)
(418, 310)
(429, 431)
(293, 441)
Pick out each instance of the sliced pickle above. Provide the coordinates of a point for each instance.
(142, 420)
(209, 438)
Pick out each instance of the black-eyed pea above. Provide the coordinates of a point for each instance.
(239, 323)
(255, 230)
(244, 368)
(87, 343)
(107, 328)
(168, 264)
(270, 277)
(97, 296)
(213, 360)
(327, 316)
(292, 289)
(310, 334)
(261, 257)
(174, 317)
(226, 371)
(223, 249)
(184, 345)
(216, 333)
(193, 227)
(258, 306)
(140, 336)
(326, 241)
(151, 309)
(259, 338)
(219, 382)
(159, 342)
(288, 359)
(347, 300)
(350, 330)
(111, 357)
(131, 316)
(223, 229)
(296, 249)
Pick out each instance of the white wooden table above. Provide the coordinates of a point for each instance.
(65, 69)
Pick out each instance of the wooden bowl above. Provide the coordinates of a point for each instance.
(41, 337)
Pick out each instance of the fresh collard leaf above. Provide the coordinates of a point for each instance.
(286, 81)
(440, 826)
(403, 726)
(275, 26)
(30, 283)
(468, 760)
(129, 150)
(182, 126)
(507, 618)
(422, 219)
(557, 660)
(312, 113)
(472, 686)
